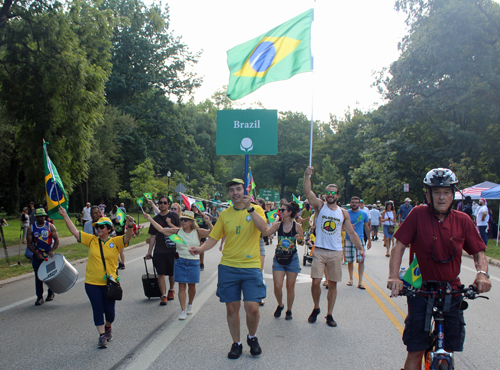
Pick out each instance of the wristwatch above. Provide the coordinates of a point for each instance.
(484, 272)
(250, 210)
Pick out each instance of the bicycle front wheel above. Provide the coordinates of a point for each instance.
(443, 366)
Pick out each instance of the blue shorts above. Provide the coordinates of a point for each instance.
(416, 338)
(386, 232)
(234, 280)
(294, 266)
(187, 271)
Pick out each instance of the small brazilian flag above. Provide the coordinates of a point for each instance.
(177, 239)
(171, 199)
(120, 216)
(276, 55)
(413, 276)
(200, 206)
(272, 215)
(140, 202)
(148, 196)
(230, 202)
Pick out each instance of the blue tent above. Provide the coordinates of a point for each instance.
(493, 193)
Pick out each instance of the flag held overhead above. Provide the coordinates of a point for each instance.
(276, 55)
(55, 194)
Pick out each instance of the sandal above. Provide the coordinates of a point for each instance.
(360, 286)
(349, 283)
(387, 255)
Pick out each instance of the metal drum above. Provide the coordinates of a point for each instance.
(58, 274)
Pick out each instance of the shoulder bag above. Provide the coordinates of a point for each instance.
(114, 290)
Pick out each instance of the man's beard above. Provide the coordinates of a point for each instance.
(331, 202)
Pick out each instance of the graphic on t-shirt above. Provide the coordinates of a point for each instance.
(329, 226)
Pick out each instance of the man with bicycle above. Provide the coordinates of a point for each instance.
(436, 235)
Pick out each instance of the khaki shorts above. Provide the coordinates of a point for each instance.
(331, 259)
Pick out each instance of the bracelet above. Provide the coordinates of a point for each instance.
(130, 226)
(484, 272)
(250, 210)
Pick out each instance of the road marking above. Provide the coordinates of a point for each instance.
(384, 308)
(26, 300)
(149, 355)
(474, 270)
(387, 298)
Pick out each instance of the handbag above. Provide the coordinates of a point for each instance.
(284, 258)
(113, 289)
(391, 229)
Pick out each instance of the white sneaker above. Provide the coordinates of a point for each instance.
(183, 315)
(189, 310)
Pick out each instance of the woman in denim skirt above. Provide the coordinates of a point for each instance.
(187, 266)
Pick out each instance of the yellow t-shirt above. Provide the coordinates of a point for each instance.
(241, 248)
(110, 249)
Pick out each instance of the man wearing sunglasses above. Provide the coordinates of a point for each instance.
(329, 219)
(437, 235)
(164, 253)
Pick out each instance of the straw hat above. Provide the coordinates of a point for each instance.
(188, 215)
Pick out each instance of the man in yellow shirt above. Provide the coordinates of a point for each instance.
(239, 268)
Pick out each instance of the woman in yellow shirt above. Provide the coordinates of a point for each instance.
(96, 275)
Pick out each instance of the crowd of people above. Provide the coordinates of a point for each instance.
(179, 238)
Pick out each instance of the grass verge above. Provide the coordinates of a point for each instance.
(72, 252)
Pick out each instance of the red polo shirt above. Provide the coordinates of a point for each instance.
(422, 228)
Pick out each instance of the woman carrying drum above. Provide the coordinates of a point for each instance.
(96, 275)
(286, 260)
(187, 266)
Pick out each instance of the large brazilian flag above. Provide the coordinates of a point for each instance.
(276, 55)
(54, 190)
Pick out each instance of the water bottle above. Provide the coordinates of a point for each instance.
(402, 273)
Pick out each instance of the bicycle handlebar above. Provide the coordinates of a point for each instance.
(469, 293)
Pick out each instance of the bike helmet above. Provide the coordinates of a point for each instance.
(440, 178)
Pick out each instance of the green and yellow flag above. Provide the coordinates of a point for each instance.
(274, 56)
(54, 189)
(412, 275)
(148, 196)
(271, 216)
(120, 216)
(171, 199)
(140, 201)
(177, 239)
(200, 206)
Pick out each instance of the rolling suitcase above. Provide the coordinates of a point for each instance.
(150, 283)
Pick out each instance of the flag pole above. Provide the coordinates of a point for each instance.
(246, 173)
(312, 101)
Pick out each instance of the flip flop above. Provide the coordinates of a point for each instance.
(387, 255)
(361, 287)
(349, 283)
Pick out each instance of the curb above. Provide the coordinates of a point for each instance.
(76, 262)
(491, 261)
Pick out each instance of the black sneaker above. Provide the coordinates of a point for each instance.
(330, 321)
(277, 313)
(314, 315)
(288, 315)
(121, 266)
(107, 333)
(255, 349)
(103, 342)
(202, 266)
(39, 302)
(50, 296)
(236, 350)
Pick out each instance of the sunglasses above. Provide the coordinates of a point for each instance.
(100, 227)
(330, 192)
(160, 202)
(185, 220)
(175, 209)
(283, 209)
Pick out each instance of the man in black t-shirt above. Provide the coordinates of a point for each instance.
(467, 208)
(164, 250)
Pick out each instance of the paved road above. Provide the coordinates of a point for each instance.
(60, 334)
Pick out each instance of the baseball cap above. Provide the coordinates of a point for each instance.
(234, 182)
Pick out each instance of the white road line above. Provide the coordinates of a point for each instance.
(474, 270)
(32, 298)
(149, 355)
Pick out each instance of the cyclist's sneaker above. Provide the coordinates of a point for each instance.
(107, 333)
(330, 321)
(236, 350)
(277, 313)
(255, 349)
(171, 295)
(313, 316)
(103, 342)
(288, 315)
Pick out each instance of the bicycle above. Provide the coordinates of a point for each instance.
(78, 219)
(436, 358)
